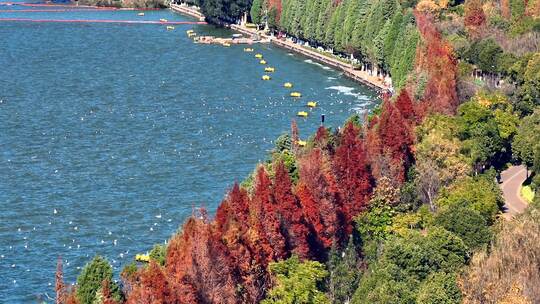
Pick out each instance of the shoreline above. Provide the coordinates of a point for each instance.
(358, 76)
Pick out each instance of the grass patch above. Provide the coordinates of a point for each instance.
(527, 193)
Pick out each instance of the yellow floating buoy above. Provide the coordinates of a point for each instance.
(248, 50)
(266, 77)
(140, 14)
(170, 27)
(302, 143)
(312, 104)
(258, 56)
(269, 69)
(262, 61)
(163, 20)
(296, 94)
(142, 258)
(302, 114)
(226, 44)
(287, 85)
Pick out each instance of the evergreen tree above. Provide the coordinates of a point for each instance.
(91, 279)
(360, 25)
(312, 15)
(348, 26)
(297, 282)
(284, 21)
(341, 15)
(390, 39)
(255, 12)
(323, 20)
(404, 55)
(332, 26)
(344, 273)
(296, 20)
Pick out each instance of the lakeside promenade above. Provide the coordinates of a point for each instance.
(187, 10)
(363, 77)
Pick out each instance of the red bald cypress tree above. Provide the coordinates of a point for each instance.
(405, 106)
(59, 284)
(276, 4)
(293, 222)
(435, 58)
(71, 297)
(295, 137)
(351, 169)
(321, 138)
(240, 232)
(318, 240)
(106, 293)
(152, 287)
(267, 220)
(318, 181)
(396, 138)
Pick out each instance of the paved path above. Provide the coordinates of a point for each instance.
(512, 178)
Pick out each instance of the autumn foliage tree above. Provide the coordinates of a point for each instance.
(293, 220)
(396, 136)
(436, 61)
(60, 287)
(153, 287)
(352, 170)
(323, 192)
(474, 14)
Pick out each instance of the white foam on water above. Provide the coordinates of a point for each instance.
(324, 67)
(346, 91)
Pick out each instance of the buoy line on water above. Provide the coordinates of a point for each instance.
(288, 85)
(98, 21)
(55, 10)
(81, 7)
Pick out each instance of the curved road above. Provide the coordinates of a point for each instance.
(511, 180)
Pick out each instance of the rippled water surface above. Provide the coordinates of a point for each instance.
(111, 133)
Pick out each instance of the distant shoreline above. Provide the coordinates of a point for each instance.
(135, 4)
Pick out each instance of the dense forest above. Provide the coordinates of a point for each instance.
(399, 206)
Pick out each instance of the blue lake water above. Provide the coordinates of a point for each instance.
(122, 129)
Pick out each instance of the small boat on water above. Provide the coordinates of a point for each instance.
(140, 14)
(262, 61)
(142, 258)
(266, 77)
(258, 56)
(296, 94)
(302, 114)
(269, 69)
(163, 20)
(312, 104)
(248, 50)
(288, 85)
(170, 27)
(226, 44)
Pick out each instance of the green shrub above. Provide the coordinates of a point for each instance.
(91, 279)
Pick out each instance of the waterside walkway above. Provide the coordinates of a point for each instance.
(360, 76)
(187, 10)
(348, 70)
